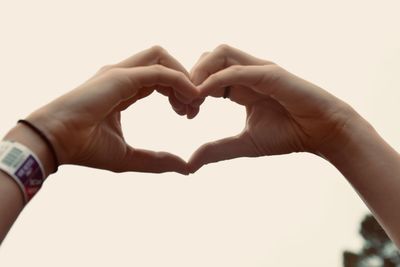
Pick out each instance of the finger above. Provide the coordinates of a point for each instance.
(144, 92)
(180, 97)
(194, 108)
(258, 78)
(198, 102)
(121, 84)
(265, 81)
(222, 57)
(224, 149)
(155, 55)
(191, 111)
(153, 76)
(177, 106)
(197, 81)
(141, 160)
(191, 108)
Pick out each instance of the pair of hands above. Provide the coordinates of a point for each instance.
(284, 112)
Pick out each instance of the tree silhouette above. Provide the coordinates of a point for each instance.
(378, 250)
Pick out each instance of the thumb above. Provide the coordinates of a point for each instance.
(228, 148)
(142, 160)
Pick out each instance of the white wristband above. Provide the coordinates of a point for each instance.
(23, 166)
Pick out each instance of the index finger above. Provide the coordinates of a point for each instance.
(246, 76)
(119, 85)
(155, 55)
(222, 57)
(154, 75)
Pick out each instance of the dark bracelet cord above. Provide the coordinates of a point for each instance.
(45, 139)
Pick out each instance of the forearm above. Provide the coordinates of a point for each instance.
(373, 168)
(11, 198)
(11, 203)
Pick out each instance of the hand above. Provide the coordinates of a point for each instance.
(284, 112)
(84, 125)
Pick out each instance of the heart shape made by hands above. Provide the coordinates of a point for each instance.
(284, 113)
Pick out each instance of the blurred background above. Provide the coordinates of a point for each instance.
(377, 250)
(292, 210)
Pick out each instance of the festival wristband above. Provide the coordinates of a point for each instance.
(23, 166)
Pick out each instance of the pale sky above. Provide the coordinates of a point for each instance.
(292, 210)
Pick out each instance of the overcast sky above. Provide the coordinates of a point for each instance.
(293, 210)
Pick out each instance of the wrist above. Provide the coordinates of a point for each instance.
(26, 136)
(355, 140)
(51, 127)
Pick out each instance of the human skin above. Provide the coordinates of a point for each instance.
(84, 124)
(287, 114)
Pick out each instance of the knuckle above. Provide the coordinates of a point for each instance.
(214, 78)
(178, 77)
(267, 62)
(158, 67)
(223, 48)
(204, 54)
(278, 70)
(114, 72)
(236, 68)
(271, 77)
(181, 76)
(106, 68)
(157, 50)
(158, 71)
(273, 65)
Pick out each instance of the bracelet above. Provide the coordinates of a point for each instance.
(23, 166)
(45, 139)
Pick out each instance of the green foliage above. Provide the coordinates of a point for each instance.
(378, 250)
